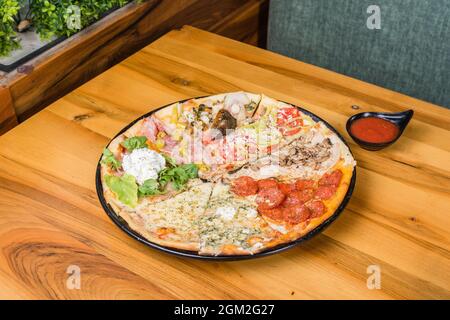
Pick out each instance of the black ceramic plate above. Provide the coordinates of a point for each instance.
(122, 224)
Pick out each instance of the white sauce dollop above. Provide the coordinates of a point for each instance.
(226, 213)
(143, 164)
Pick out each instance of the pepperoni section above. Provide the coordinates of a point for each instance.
(324, 192)
(305, 195)
(331, 179)
(296, 214)
(267, 183)
(317, 208)
(286, 188)
(304, 184)
(269, 198)
(244, 186)
(298, 197)
(291, 200)
(294, 202)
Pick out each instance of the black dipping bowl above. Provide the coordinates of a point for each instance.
(400, 119)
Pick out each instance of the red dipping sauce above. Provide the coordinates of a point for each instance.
(375, 130)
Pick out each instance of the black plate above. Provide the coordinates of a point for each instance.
(122, 224)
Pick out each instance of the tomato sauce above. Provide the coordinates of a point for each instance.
(375, 130)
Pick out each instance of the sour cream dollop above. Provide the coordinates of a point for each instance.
(143, 164)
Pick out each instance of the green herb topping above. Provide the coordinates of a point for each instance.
(135, 143)
(109, 159)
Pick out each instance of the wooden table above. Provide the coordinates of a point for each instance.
(50, 219)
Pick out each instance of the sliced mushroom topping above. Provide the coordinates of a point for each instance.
(224, 121)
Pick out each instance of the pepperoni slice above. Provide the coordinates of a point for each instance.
(304, 184)
(317, 208)
(267, 183)
(296, 214)
(286, 188)
(269, 198)
(325, 192)
(331, 179)
(298, 197)
(291, 200)
(275, 214)
(305, 195)
(244, 186)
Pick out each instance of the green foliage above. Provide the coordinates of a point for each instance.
(8, 41)
(135, 143)
(49, 17)
(178, 175)
(109, 159)
(149, 187)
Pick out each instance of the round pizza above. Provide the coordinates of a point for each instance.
(231, 174)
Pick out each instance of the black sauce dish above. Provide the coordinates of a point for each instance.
(400, 119)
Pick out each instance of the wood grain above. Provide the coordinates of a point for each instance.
(50, 217)
(66, 66)
(8, 117)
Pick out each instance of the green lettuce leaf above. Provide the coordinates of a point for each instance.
(149, 187)
(110, 160)
(135, 143)
(125, 188)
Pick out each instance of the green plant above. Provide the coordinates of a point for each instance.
(49, 17)
(8, 41)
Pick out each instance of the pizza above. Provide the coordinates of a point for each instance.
(230, 174)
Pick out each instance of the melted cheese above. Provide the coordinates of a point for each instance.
(229, 220)
(181, 212)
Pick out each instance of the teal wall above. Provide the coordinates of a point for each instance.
(409, 54)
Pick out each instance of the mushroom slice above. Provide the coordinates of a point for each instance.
(224, 121)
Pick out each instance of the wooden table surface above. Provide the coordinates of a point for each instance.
(50, 218)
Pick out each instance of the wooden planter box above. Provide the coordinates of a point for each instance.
(81, 57)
